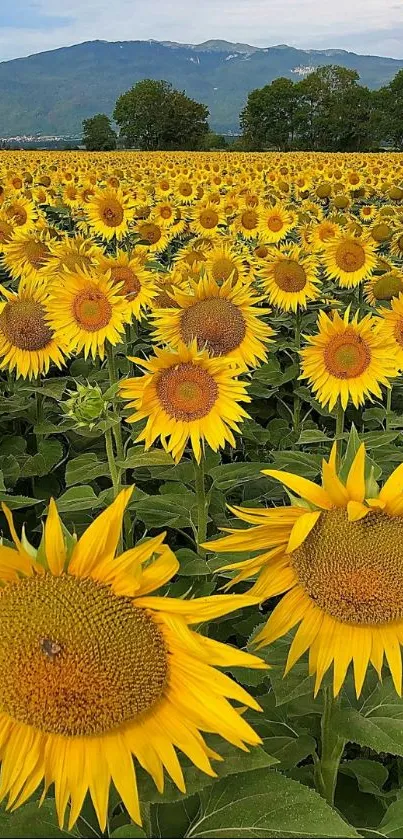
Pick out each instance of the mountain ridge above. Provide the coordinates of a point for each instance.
(52, 92)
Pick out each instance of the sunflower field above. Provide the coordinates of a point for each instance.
(201, 485)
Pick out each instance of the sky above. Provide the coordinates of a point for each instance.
(366, 26)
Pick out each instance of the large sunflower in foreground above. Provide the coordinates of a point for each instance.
(289, 278)
(223, 318)
(337, 558)
(87, 310)
(28, 344)
(109, 212)
(349, 259)
(348, 359)
(186, 395)
(96, 671)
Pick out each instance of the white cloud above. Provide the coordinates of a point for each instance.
(361, 25)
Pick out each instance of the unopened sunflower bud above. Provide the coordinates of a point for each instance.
(86, 405)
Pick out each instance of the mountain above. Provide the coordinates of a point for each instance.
(52, 92)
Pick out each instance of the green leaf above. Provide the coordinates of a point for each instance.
(50, 452)
(191, 565)
(265, 804)
(300, 463)
(166, 511)
(85, 467)
(128, 831)
(392, 822)
(289, 751)
(232, 474)
(312, 435)
(32, 822)
(77, 498)
(235, 761)
(17, 502)
(371, 775)
(137, 457)
(377, 724)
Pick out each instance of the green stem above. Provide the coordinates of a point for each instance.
(388, 406)
(332, 747)
(117, 434)
(202, 505)
(339, 431)
(111, 462)
(297, 401)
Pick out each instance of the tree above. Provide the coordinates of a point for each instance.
(268, 117)
(98, 134)
(327, 111)
(153, 115)
(335, 111)
(390, 104)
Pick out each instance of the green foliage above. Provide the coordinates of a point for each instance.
(153, 115)
(328, 110)
(98, 134)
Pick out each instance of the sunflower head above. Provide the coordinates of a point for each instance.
(186, 395)
(335, 555)
(348, 359)
(97, 673)
(222, 318)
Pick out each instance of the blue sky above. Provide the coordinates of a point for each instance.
(365, 26)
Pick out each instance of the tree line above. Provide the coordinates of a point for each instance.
(328, 110)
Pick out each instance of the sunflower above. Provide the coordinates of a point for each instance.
(98, 673)
(223, 318)
(247, 222)
(6, 231)
(367, 212)
(322, 233)
(396, 246)
(153, 235)
(72, 253)
(27, 342)
(348, 359)
(336, 557)
(349, 259)
(225, 262)
(165, 213)
(381, 289)
(290, 278)
(186, 395)
(21, 213)
(206, 219)
(87, 310)
(138, 286)
(27, 254)
(392, 323)
(165, 284)
(275, 223)
(109, 212)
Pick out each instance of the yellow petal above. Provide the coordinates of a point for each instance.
(393, 486)
(306, 489)
(101, 538)
(301, 530)
(55, 548)
(355, 483)
(356, 510)
(333, 486)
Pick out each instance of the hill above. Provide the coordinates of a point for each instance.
(52, 92)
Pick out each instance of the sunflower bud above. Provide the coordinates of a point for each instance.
(86, 405)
